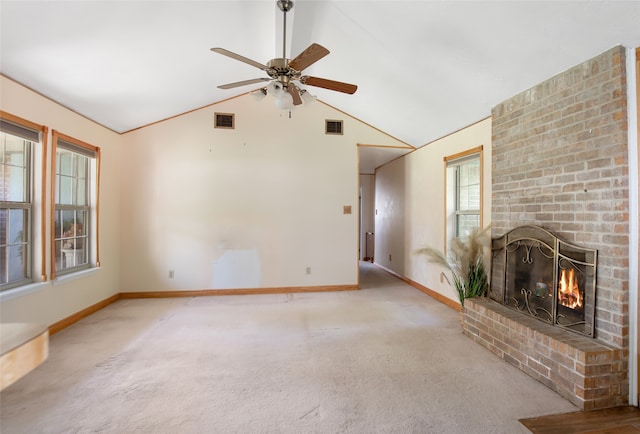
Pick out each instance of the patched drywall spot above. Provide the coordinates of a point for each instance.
(236, 269)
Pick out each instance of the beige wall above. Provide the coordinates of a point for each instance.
(50, 302)
(410, 201)
(252, 207)
(256, 206)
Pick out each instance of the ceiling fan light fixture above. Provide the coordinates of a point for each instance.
(284, 100)
(272, 88)
(259, 94)
(307, 98)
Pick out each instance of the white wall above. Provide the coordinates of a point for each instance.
(410, 205)
(252, 207)
(50, 302)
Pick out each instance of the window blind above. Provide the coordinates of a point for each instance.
(19, 131)
(76, 148)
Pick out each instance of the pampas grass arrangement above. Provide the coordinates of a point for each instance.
(467, 262)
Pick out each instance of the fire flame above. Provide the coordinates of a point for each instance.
(568, 292)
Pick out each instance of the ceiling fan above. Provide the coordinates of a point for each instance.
(284, 72)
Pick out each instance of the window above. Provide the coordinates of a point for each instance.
(463, 192)
(75, 204)
(18, 142)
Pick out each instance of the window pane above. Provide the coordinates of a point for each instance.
(14, 245)
(72, 179)
(68, 222)
(81, 192)
(59, 255)
(466, 223)
(17, 266)
(65, 162)
(81, 166)
(15, 168)
(469, 186)
(4, 226)
(72, 238)
(17, 226)
(15, 177)
(58, 224)
(64, 192)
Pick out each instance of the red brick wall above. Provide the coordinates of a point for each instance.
(560, 162)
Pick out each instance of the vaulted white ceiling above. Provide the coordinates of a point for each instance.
(424, 68)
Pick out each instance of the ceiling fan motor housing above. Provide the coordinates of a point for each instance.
(280, 70)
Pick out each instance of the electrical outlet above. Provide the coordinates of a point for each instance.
(171, 274)
(308, 270)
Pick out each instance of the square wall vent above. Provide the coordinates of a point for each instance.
(224, 120)
(333, 127)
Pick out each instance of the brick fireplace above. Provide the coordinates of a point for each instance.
(559, 161)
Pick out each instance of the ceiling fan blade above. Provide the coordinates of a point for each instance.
(311, 55)
(329, 84)
(242, 83)
(240, 58)
(295, 94)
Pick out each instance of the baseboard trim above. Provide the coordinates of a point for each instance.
(441, 298)
(72, 319)
(430, 292)
(242, 291)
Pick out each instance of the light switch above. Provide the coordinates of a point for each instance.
(346, 209)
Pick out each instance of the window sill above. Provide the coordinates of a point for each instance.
(76, 275)
(30, 288)
(20, 291)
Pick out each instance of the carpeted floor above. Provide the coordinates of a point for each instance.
(386, 359)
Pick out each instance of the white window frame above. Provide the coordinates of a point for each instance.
(33, 239)
(452, 191)
(88, 234)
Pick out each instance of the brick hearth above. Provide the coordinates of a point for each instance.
(587, 372)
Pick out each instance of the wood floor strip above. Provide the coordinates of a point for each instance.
(626, 429)
(619, 420)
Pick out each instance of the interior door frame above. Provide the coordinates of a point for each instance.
(633, 100)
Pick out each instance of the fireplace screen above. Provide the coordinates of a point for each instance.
(542, 276)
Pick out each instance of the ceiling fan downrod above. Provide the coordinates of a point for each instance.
(285, 6)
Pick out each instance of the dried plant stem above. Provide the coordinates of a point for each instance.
(466, 262)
